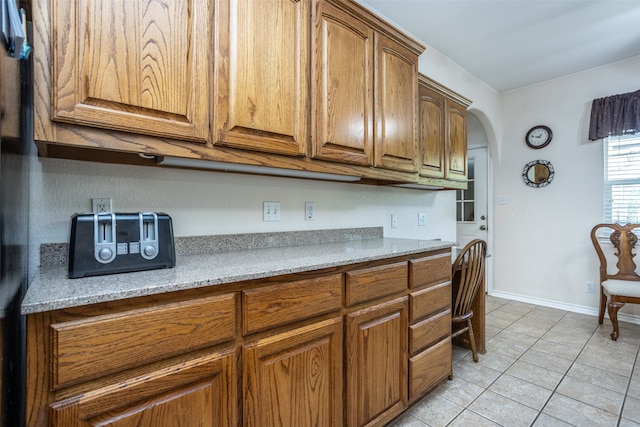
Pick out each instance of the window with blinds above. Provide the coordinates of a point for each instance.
(622, 179)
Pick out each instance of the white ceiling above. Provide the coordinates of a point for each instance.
(514, 43)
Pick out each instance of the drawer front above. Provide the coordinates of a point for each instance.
(430, 300)
(429, 331)
(428, 368)
(370, 283)
(95, 346)
(284, 303)
(430, 270)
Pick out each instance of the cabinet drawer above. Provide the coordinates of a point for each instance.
(370, 283)
(429, 368)
(429, 331)
(284, 303)
(430, 270)
(95, 346)
(430, 300)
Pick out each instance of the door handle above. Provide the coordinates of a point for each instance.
(483, 227)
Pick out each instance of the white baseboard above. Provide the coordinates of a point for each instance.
(582, 309)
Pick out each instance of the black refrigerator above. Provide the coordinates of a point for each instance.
(16, 148)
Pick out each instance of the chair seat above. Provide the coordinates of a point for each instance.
(626, 288)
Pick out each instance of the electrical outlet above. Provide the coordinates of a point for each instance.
(422, 219)
(394, 221)
(101, 205)
(590, 288)
(309, 211)
(271, 211)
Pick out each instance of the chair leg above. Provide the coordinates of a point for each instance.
(613, 315)
(472, 341)
(603, 304)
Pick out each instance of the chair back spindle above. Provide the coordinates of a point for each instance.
(468, 277)
(470, 265)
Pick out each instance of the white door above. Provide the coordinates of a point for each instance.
(472, 203)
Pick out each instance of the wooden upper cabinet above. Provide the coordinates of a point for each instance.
(343, 76)
(262, 70)
(443, 131)
(396, 141)
(457, 141)
(139, 66)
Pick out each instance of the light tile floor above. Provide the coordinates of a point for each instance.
(543, 367)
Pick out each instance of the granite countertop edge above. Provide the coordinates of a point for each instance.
(51, 289)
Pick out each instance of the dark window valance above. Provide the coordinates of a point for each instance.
(615, 115)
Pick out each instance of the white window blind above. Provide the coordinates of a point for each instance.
(622, 179)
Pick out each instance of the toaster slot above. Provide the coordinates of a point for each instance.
(104, 237)
(148, 235)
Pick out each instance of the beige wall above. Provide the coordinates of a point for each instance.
(542, 245)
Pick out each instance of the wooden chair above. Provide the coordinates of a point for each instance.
(623, 286)
(468, 276)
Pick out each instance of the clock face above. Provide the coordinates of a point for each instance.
(538, 137)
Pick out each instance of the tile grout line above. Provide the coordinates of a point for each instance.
(499, 376)
(555, 390)
(626, 392)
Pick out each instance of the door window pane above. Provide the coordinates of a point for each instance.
(465, 199)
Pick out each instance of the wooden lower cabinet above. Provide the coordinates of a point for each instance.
(376, 358)
(295, 378)
(197, 392)
(347, 346)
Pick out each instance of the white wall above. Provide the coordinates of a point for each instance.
(203, 203)
(542, 244)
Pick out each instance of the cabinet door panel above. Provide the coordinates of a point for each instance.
(139, 66)
(396, 140)
(432, 133)
(200, 392)
(374, 282)
(457, 140)
(377, 362)
(428, 331)
(262, 75)
(429, 368)
(429, 300)
(343, 106)
(284, 303)
(431, 270)
(295, 378)
(99, 345)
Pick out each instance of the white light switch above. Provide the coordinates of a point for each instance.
(271, 211)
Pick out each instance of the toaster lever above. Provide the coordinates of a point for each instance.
(104, 237)
(148, 235)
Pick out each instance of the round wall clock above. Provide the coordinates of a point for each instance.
(538, 136)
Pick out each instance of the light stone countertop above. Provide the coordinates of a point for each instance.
(51, 289)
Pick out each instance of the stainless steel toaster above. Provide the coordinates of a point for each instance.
(106, 243)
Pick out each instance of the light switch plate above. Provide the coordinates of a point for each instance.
(271, 211)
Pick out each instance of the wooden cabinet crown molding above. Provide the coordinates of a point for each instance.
(378, 24)
(443, 90)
